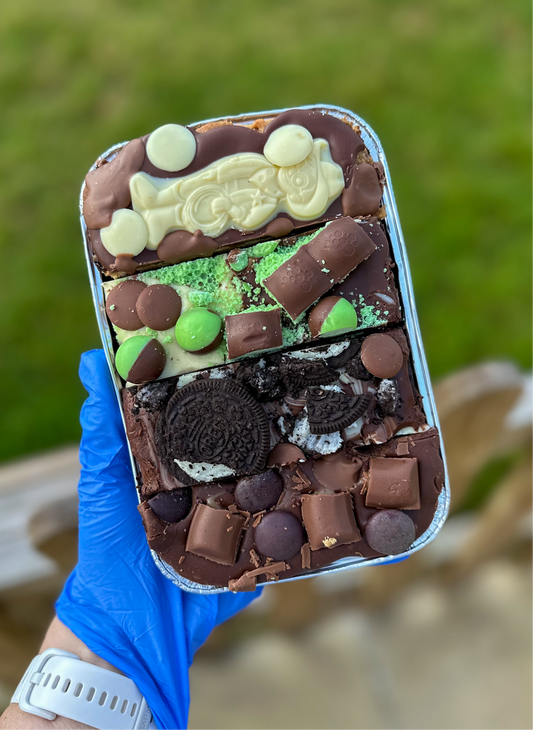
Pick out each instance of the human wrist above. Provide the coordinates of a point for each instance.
(60, 636)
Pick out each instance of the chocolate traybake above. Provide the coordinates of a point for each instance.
(254, 300)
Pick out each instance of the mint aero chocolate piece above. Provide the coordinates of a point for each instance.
(182, 193)
(264, 296)
(303, 499)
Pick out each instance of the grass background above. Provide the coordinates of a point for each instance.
(445, 84)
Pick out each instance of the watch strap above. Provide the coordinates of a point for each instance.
(59, 683)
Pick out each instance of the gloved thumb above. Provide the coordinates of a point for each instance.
(106, 488)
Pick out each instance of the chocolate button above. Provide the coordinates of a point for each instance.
(279, 536)
(390, 532)
(381, 355)
(159, 307)
(258, 492)
(172, 506)
(284, 454)
(121, 304)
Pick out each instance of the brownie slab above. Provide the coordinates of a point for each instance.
(257, 311)
(181, 193)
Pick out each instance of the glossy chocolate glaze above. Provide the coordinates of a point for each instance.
(346, 147)
(168, 541)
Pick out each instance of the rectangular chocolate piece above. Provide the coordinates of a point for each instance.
(214, 534)
(192, 191)
(393, 484)
(297, 283)
(252, 332)
(233, 286)
(329, 520)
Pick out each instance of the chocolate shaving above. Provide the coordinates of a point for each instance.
(306, 556)
(248, 579)
(255, 559)
(257, 518)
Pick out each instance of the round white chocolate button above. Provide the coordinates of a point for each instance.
(171, 147)
(288, 145)
(127, 233)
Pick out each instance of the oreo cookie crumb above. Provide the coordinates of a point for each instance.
(154, 396)
(388, 397)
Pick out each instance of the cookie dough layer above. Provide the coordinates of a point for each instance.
(236, 184)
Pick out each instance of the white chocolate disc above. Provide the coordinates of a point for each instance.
(288, 145)
(171, 147)
(127, 233)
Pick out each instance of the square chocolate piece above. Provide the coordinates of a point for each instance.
(393, 484)
(298, 283)
(329, 520)
(340, 248)
(214, 534)
(253, 331)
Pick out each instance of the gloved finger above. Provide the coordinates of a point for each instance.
(108, 500)
(203, 613)
(231, 603)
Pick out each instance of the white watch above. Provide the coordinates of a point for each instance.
(59, 683)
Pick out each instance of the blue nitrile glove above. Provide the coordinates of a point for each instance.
(116, 600)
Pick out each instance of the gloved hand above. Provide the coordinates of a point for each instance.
(116, 600)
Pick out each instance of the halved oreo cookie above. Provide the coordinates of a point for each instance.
(331, 410)
(214, 422)
(299, 374)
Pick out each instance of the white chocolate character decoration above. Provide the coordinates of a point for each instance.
(243, 191)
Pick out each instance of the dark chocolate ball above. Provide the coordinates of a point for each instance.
(121, 304)
(390, 532)
(258, 492)
(279, 535)
(172, 506)
(159, 307)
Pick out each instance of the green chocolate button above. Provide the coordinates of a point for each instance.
(198, 329)
(342, 317)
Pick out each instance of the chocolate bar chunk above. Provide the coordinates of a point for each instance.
(298, 283)
(393, 484)
(329, 520)
(253, 331)
(194, 191)
(214, 534)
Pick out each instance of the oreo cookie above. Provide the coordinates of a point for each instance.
(211, 429)
(333, 410)
(297, 375)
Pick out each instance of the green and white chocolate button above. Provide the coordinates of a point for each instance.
(140, 359)
(332, 314)
(199, 330)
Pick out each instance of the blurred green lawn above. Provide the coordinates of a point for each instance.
(445, 84)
